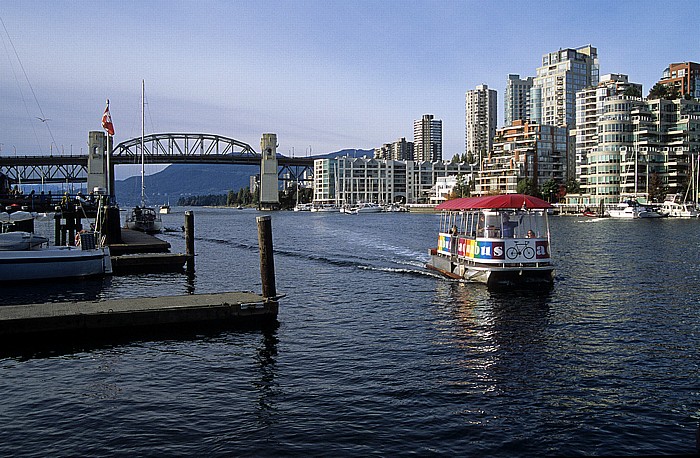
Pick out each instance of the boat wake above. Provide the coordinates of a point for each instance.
(407, 261)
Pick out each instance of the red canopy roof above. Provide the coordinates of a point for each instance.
(500, 201)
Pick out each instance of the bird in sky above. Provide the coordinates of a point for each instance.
(42, 119)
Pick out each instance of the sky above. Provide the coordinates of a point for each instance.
(322, 75)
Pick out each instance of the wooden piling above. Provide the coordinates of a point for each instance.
(267, 262)
(189, 240)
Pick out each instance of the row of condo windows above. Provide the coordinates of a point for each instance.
(615, 127)
(603, 179)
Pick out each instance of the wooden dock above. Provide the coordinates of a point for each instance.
(138, 242)
(34, 321)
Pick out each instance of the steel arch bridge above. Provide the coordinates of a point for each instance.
(185, 148)
(164, 148)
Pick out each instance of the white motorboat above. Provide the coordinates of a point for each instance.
(502, 241)
(164, 209)
(303, 208)
(368, 207)
(633, 209)
(674, 206)
(42, 263)
(325, 208)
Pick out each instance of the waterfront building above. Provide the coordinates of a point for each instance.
(562, 74)
(400, 150)
(685, 76)
(640, 143)
(347, 180)
(589, 108)
(481, 117)
(525, 150)
(517, 99)
(553, 95)
(427, 139)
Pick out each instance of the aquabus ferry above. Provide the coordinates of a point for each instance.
(499, 240)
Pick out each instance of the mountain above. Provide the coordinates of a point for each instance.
(179, 180)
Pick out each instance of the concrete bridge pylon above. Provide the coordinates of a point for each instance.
(269, 194)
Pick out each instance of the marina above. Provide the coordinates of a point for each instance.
(603, 357)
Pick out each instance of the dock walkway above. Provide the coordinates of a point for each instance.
(235, 308)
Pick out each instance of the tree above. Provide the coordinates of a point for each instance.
(633, 91)
(573, 187)
(550, 189)
(657, 188)
(529, 187)
(658, 91)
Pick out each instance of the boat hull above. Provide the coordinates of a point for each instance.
(53, 263)
(531, 277)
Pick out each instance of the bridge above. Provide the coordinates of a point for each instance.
(165, 148)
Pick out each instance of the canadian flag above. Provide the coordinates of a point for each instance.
(107, 121)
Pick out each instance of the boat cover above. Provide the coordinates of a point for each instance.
(494, 202)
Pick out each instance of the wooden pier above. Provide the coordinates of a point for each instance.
(53, 323)
(87, 319)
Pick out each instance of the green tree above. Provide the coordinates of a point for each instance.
(573, 187)
(528, 186)
(550, 190)
(657, 188)
(633, 91)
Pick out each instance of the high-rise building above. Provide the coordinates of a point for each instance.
(553, 95)
(481, 116)
(563, 73)
(685, 76)
(589, 108)
(427, 139)
(400, 150)
(517, 99)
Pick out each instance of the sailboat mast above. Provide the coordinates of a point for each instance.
(143, 128)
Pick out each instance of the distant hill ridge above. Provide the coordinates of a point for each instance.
(178, 180)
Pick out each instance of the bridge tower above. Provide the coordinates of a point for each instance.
(269, 194)
(97, 160)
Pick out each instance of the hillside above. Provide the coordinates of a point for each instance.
(197, 179)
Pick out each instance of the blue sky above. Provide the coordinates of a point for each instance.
(324, 75)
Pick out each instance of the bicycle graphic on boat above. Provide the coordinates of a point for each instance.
(520, 248)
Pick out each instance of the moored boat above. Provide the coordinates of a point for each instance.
(633, 209)
(325, 208)
(501, 241)
(144, 219)
(42, 263)
(675, 206)
(164, 209)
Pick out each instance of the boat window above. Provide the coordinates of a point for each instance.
(532, 224)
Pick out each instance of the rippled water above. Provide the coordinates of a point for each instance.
(376, 355)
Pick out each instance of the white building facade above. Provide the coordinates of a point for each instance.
(347, 180)
(481, 117)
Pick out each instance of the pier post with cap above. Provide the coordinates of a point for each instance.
(267, 262)
(189, 240)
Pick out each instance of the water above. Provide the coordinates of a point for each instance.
(374, 355)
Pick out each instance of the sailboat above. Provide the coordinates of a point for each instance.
(143, 218)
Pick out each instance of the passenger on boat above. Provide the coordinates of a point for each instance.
(508, 226)
(530, 234)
